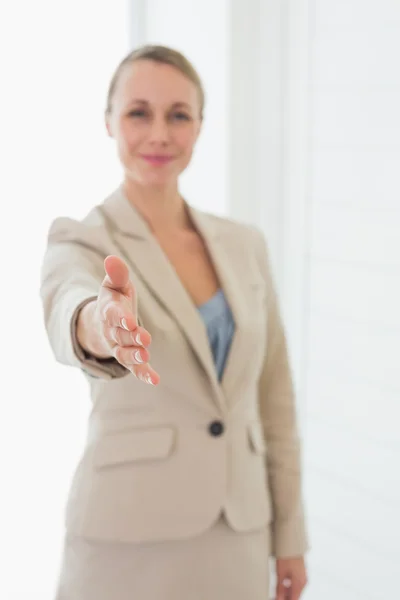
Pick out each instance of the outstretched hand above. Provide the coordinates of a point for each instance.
(116, 314)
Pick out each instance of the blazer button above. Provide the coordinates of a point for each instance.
(216, 428)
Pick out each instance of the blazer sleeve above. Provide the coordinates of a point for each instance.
(71, 274)
(278, 415)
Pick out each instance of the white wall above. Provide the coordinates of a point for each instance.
(55, 159)
(352, 258)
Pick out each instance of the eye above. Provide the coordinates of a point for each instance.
(137, 113)
(181, 116)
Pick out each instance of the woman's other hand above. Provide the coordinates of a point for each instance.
(291, 577)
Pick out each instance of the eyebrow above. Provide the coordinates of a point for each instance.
(175, 104)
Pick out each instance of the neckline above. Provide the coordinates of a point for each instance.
(212, 299)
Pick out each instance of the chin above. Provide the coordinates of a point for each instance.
(159, 176)
(152, 176)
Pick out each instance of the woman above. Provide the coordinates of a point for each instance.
(190, 478)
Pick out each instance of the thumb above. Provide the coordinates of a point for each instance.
(117, 275)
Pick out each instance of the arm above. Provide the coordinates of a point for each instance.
(278, 414)
(71, 274)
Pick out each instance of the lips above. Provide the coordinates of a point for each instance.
(156, 159)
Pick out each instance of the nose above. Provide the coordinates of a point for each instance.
(159, 133)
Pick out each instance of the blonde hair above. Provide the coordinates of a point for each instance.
(163, 55)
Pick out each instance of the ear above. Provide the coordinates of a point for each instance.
(199, 129)
(107, 121)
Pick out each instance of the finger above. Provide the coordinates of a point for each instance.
(284, 589)
(146, 374)
(117, 282)
(279, 592)
(130, 356)
(139, 337)
(117, 274)
(296, 590)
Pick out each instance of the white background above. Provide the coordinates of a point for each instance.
(56, 62)
(302, 137)
(352, 346)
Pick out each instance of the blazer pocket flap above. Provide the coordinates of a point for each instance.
(257, 439)
(138, 445)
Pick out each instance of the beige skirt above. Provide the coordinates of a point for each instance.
(219, 564)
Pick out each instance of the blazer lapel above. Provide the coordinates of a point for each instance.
(141, 249)
(230, 263)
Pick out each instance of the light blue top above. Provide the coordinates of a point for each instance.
(218, 319)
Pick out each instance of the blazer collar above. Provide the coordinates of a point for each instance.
(140, 248)
(130, 222)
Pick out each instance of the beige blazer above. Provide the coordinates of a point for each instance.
(164, 462)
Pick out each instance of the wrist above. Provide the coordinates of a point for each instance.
(86, 334)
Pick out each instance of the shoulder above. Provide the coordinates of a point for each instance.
(87, 231)
(246, 235)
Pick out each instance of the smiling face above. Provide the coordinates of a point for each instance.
(155, 121)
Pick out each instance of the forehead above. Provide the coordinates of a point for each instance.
(156, 83)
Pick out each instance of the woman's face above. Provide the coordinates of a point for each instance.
(155, 121)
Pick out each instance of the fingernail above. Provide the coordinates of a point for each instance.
(148, 379)
(124, 324)
(138, 340)
(137, 356)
